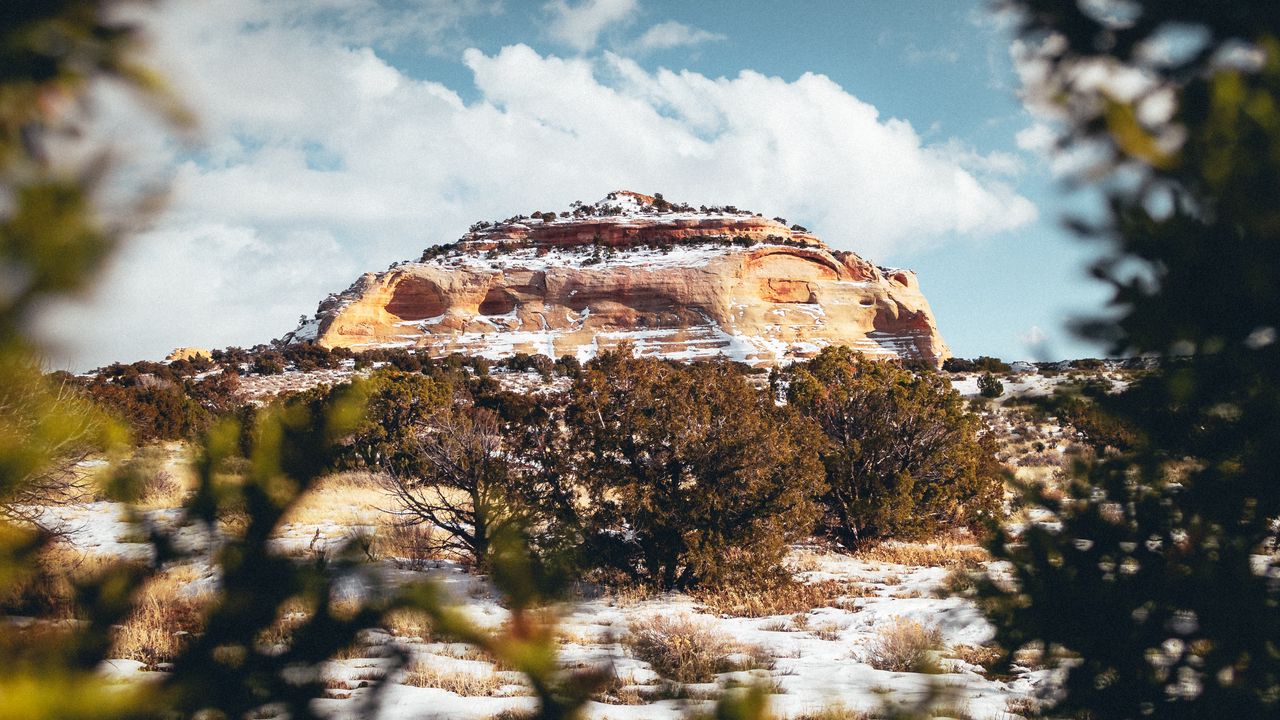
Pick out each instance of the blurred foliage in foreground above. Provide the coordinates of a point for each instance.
(1158, 591)
(52, 241)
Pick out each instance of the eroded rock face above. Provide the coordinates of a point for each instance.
(676, 282)
(188, 353)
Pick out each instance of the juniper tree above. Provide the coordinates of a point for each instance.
(689, 474)
(902, 456)
(989, 386)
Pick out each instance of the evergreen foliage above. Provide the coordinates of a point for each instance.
(1105, 421)
(688, 473)
(902, 456)
(1155, 588)
(989, 386)
(153, 410)
(399, 402)
(982, 363)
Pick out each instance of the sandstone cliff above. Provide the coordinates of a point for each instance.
(677, 281)
(188, 353)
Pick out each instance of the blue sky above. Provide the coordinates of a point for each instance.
(338, 136)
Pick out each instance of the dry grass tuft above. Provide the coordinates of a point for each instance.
(411, 547)
(296, 612)
(345, 499)
(573, 637)
(49, 591)
(463, 651)
(623, 691)
(161, 490)
(953, 710)
(458, 682)
(804, 560)
(615, 588)
(984, 656)
(361, 650)
(1031, 657)
(1021, 707)
(779, 596)
(267, 712)
(368, 675)
(778, 625)
(408, 625)
(17, 638)
(292, 615)
(828, 631)
(836, 713)
(165, 473)
(688, 650)
(163, 621)
(515, 714)
(960, 582)
(944, 555)
(907, 646)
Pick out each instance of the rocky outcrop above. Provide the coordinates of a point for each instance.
(188, 353)
(676, 281)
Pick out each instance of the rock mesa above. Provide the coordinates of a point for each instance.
(675, 281)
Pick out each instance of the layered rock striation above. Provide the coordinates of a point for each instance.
(675, 281)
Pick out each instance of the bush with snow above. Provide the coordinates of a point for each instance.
(907, 646)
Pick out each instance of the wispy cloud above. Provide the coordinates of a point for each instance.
(949, 54)
(672, 34)
(579, 26)
(1036, 343)
(964, 155)
(1037, 138)
(432, 26)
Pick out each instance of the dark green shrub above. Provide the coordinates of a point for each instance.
(569, 366)
(308, 356)
(153, 409)
(902, 456)
(989, 386)
(983, 363)
(398, 404)
(688, 473)
(268, 363)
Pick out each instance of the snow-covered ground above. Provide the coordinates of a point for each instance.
(291, 381)
(816, 659)
(580, 257)
(1034, 384)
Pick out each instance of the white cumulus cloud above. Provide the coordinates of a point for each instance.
(321, 160)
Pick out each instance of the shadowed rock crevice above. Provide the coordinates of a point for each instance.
(415, 298)
(498, 301)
